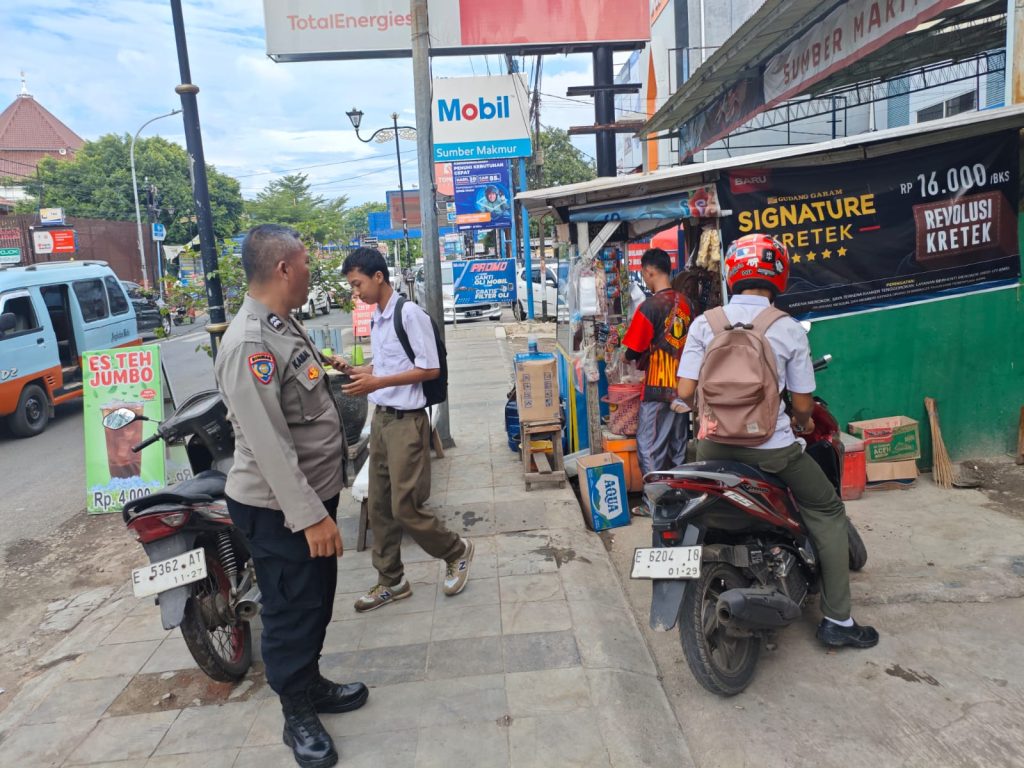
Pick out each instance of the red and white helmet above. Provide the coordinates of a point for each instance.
(756, 261)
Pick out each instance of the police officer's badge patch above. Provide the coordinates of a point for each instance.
(262, 365)
(275, 322)
(313, 373)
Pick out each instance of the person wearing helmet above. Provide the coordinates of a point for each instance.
(757, 271)
(493, 201)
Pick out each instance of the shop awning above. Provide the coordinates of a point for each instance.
(605, 193)
(735, 72)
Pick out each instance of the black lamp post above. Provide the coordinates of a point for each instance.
(381, 136)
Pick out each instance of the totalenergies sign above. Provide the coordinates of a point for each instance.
(481, 118)
(310, 30)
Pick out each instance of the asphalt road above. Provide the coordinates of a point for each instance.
(42, 482)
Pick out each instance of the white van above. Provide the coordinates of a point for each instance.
(49, 315)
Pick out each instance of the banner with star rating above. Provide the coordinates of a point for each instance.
(891, 230)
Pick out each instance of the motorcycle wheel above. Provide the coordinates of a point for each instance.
(222, 651)
(858, 552)
(722, 664)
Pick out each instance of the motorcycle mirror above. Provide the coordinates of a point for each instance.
(121, 417)
(806, 325)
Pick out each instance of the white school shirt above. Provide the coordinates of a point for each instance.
(389, 356)
(788, 341)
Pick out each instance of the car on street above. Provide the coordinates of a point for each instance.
(452, 312)
(317, 301)
(546, 290)
(147, 309)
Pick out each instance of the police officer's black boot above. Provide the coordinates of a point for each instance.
(328, 696)
(305, 734)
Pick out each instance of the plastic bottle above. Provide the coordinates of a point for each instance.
(531, 345)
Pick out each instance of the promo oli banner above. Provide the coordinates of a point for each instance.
(891, 230)
(127, 377)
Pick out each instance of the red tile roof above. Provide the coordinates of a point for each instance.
(29, 132)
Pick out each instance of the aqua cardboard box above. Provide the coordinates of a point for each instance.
(603, 490)
(894, 438)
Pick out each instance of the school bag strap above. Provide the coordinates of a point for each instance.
(403, 337)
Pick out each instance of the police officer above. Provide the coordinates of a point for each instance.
(282, 491)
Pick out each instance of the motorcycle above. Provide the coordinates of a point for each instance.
(731, 561)
(200, 571)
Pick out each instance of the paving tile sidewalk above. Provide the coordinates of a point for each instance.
(539, 662)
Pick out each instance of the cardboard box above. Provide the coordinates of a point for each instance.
(603, 490)
(894, 438)
(537, 390)
(891, 475)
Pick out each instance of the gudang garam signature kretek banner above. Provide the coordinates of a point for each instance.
(889, 230)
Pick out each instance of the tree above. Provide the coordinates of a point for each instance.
(98, 184)
(288, 200)
(563, 162)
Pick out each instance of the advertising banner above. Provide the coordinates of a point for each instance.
(850, 32)
(304, 30)
(361, 317)
(413, 215)
(127, 377)
(700, 202)
(481, 118)
(46, 241)
(891, 230)
(483, 194)
(483, 281)
(10, 246)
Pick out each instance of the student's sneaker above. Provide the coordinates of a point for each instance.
(456, 572)
(381, 595)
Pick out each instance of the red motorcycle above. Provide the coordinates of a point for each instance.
(731, 560)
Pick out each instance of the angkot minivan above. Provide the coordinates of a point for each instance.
(50, 314)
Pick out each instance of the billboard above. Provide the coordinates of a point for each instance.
(46, 241)
(481, 118)
(412, 208)
(308, 30)
(483, 281)
(892, 230)
(483, 194)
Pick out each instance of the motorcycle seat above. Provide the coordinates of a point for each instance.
(203, 488)
(740, 469)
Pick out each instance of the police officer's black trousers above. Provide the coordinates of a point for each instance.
(298, 594)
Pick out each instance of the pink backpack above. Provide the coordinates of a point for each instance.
(738, 385)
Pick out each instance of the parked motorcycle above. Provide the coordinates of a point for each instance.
(731, 560)
(200, 570)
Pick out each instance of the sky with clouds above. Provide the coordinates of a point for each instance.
(108, 66)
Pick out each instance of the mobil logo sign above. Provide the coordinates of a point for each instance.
(455, 109)
(481, 118)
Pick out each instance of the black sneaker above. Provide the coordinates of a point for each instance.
(836, 636)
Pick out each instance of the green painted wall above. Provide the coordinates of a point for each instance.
(967, 353)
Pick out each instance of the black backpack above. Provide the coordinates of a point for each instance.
(435, 390)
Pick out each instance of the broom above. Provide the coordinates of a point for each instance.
(942, 468)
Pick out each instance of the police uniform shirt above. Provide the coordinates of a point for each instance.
(389, 356)
(788, 341)
(288, 441)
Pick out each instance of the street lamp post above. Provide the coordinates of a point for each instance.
(135, 190)
(385, 134)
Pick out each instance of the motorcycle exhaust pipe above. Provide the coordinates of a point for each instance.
(248, 607)
(754, 608)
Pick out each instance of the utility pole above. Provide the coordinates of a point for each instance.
(425, 158)
(200, 190)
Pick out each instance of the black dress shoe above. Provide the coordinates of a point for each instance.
(311, 745)
(836, 636)
(333, 698)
